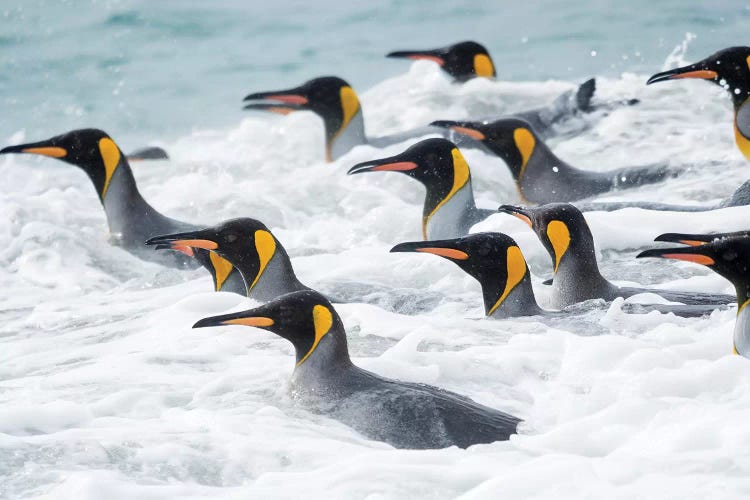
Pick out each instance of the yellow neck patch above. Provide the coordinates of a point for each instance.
(743, 143)
(559, 236)
(461, 176)
(525, 143)
(516, 265)
(111, 157)
(483, 65)
(222, 268)
(349, 105)
(349, 108)
(323, 321)
(266, 247)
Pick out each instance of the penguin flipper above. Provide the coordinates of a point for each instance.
(685, 311)
(689, 298)
(638, 176)
(148, 153)
(740, 198)
(584, 94)
(646, 205)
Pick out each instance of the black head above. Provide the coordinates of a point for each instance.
(493, 259)
(303, 318)
(436, 163)
(512, 139)
(330, 97)
(90, 149)
(245, 243)
(728, 256)
(728, 68)
(463, 61)
(433, 162)
(561, 228)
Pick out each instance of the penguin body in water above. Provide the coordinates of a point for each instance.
(462, 61)
(403, 414)
(563, 231)
(728, 257)
(540, 176)
(449, 207)
(730, 69)
(131, 219)
(250, 247)
(495, 260)
(338, 105)
(740, 198)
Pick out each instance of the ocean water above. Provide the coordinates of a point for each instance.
(106, 391)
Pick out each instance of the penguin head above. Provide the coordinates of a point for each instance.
(244, 243)
(493, 259)
(436, 163)
(463, 61)
(560, 227)
(329, 97)
(90, 149)
(728, 68)
(727, 256)
(512, 139)
(304, 318)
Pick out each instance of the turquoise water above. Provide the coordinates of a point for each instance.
(156, 70)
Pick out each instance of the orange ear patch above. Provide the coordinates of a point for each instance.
(451, 253)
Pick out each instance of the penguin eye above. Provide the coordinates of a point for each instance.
(729, 255)
(230, 238)
(485, 250)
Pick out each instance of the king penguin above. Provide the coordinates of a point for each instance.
(693, 240)
(740, 198)
(337, 104)
(449, 207)
(540, 176)
(496, 262)
(404, 415)
(565, 234)
(249, 246)
(730, 69)
(728, 257)
(462, 61)
(131, 219)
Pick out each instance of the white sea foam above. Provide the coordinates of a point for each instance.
(108, 393)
